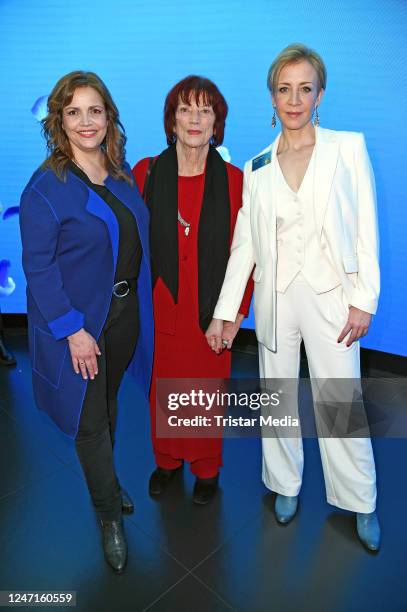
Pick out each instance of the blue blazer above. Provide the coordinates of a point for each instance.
(70, 240)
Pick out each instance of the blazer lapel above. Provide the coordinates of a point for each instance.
(98, 207)
(131, 198)
(326, 159)
(266, 190)
(273, 183)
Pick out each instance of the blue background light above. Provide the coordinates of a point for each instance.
(140, 49)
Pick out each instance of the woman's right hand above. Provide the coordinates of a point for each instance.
(214, 335)
(84, 349)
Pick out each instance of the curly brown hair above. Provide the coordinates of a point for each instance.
(58, 146)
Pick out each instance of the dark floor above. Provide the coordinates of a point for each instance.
(230, 555)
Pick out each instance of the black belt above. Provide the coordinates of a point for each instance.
(123, 288)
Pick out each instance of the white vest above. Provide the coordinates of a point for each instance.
(298, 246)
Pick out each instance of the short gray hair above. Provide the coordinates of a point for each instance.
(292, 54)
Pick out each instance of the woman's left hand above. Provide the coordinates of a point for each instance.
(358, 324)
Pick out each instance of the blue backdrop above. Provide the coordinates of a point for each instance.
(141, 49)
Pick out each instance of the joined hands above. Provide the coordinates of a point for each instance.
(220, 334)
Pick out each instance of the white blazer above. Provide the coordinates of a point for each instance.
(345, 220)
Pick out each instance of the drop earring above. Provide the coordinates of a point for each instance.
(316, 117)
(273, 119)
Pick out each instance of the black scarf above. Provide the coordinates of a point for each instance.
(213, 232)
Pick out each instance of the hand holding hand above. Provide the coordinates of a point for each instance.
(358, 324)
(84, 349)
(214, 335)
(230, 330)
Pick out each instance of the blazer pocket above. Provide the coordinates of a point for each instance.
(257, 274)
(49, 356)
(350, 263)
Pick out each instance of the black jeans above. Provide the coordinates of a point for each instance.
(95, 438)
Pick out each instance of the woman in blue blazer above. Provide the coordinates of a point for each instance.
(84, 230)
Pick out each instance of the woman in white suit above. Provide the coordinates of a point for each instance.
(308, 224)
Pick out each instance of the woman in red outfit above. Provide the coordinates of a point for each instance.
(194, 197)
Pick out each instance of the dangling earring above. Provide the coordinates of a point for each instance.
(273, 119)
(316, 117)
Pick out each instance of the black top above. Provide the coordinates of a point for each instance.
(130, 251)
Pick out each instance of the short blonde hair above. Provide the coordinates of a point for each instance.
(292, 54)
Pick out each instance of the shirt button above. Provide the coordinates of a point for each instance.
(298, 250)
(184, 257)
(298, 213)
(299, 237)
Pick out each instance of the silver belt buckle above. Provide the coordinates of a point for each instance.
(117, 285)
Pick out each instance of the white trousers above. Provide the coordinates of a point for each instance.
(348, 463)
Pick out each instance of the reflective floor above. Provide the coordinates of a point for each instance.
(229, 555)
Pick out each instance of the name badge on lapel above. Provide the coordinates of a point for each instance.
(261, 160)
